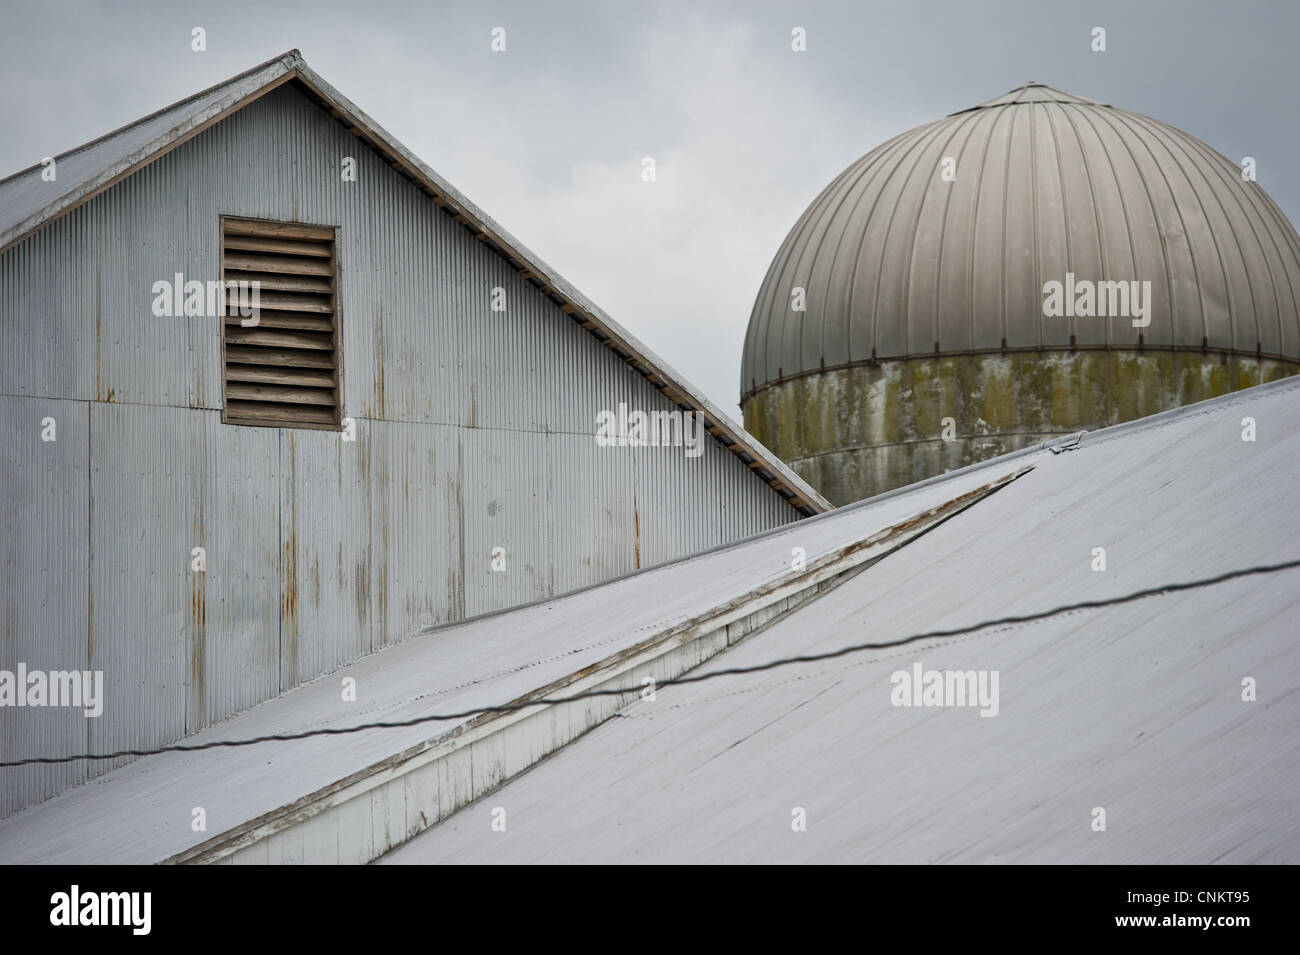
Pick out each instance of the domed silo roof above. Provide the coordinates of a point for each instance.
(897, 262)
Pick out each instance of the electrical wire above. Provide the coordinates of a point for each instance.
(673, 681)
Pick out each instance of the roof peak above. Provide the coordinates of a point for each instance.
(28, 203)
(1033, 92)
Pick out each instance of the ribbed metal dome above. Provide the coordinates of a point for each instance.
(897, 262)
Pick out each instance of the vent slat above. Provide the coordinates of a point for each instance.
(238, 335)
(266, 413)
(290, 265)
(283, 371)
(285, 302)
(282, 230)
(278, 356)
(315, 323)
(283, 283)
(281, 246)
(288, 394)
(271, 375)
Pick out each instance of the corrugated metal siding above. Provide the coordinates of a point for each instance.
(474, 430)
(505, 505)
(326, 558)
(415, 484)
(44, 601)
(180, 648)
(149, 471)
(52, 278)
(243, 581)
(594, 488)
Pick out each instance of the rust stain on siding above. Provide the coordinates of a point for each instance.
(289, 578)
(98, 318)
(636, 518)
(379, 630)
(380, 398)
(361, 590)
(198, 636)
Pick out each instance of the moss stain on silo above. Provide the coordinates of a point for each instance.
(859, 431)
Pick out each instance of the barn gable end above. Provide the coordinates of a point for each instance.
(206, 566)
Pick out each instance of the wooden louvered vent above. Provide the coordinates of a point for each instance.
(284, 371)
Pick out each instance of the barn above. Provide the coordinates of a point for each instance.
(458, 608)
(210, 498)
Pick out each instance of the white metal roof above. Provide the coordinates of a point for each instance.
(1135, 708)
(27, 203)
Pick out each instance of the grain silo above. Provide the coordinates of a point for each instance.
(909, 323)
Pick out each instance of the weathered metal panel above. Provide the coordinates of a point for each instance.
(180, 647)
(415, 485)
(505, 497)
(671, 525)
(48, 314)
(241, 602)
(326, 562)
(164, 482)
(739, 518)
(44, 582)
(146, 233)
(149, 468)
(598, 536)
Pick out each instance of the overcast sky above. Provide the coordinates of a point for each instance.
(548, 136)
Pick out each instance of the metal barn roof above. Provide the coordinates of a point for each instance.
(897, 262)
(27, 203)
(1134, 708)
